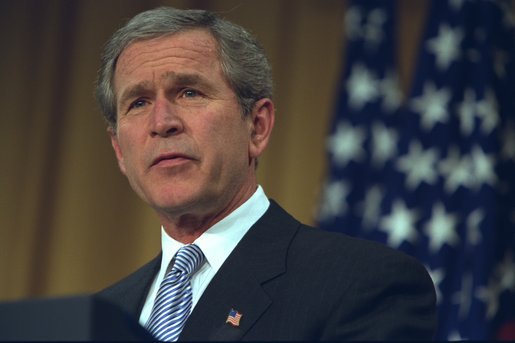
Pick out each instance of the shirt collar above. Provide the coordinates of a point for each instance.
(220, 240)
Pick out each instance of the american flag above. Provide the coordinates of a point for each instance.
(432, 173)
(234, 318)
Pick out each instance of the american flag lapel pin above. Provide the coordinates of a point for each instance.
(234, 317)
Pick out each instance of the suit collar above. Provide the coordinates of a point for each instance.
(259, 257)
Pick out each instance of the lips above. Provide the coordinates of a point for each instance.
(170, 157)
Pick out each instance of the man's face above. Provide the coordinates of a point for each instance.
(181, 139)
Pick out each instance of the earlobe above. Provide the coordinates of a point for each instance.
(263, 119)
(116, 148)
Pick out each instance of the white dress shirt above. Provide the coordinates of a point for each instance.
(217, 243)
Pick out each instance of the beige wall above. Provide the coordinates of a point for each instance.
(69, 222)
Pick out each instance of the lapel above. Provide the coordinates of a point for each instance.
(130, 293)
(259, 257)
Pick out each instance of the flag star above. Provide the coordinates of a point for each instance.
(508, 142)
(463, 297)
(474, 220)
(400, 225)
(501, 60)
(506, 273)
(362, 87)
(346, 144)
(455, 169)
(370, 208)
(467, 112)
(437, 276)
(441, 229)
(432, 105)
(334, 200)
(353, 23)
(419, 165)
(487, 111)
(391, 92)
(483, 168)
(456, 4)
(490, 296)
(373, 31)
(384, 144)
(455, 336)
(445, 46)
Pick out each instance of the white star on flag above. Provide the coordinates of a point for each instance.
(441, 229)
(334, 203)
(446, 46)
(505, 271)
(370, 208)
(474, 220)
(384, 143)
(482, 168)
(455, 169)
(362, 86)
(400, 225)
(346, 144)
(487, 111)
(467, 112)
(419, 165)
(373, 30)
(391, 92)
(489, 295)
(432, 105)
(463, 297)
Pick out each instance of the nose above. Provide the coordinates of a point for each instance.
(165, 121)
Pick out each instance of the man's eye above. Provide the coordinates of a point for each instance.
(137, 104)
(190, 93)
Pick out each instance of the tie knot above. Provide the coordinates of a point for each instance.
(188, 259)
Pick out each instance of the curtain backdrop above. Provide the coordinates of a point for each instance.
(69, 222)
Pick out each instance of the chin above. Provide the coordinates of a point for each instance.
(175, 204)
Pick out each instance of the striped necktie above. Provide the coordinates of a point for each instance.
(173, 302)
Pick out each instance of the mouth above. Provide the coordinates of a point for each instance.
(170, 159)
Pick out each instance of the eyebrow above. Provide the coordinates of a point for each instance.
(186, 79)
(178, 79)
(134, 91)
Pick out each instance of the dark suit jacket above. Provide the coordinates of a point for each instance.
(293, 282)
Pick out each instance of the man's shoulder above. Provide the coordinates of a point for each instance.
(342, 251)
(341, 243)
(364, 283)
(313, 238)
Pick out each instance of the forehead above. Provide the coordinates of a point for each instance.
(194, 49)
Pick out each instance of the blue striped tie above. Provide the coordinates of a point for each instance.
(173, 302)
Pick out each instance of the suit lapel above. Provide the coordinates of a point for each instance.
(130, 293)
(259, 257)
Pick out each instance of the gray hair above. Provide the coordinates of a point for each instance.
(243, 61)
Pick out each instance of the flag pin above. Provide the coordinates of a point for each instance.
(234, 317)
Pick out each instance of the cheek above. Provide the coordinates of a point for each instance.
(229, 135)
(129, 150)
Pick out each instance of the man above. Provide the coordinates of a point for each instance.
(188, 100)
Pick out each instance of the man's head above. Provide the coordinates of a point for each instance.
(244, 63)
(187, 119)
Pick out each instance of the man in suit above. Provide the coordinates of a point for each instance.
(188, 101)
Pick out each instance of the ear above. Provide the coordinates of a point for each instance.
(116, 147)
(263, 119)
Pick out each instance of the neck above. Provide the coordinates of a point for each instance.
(188, 226)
